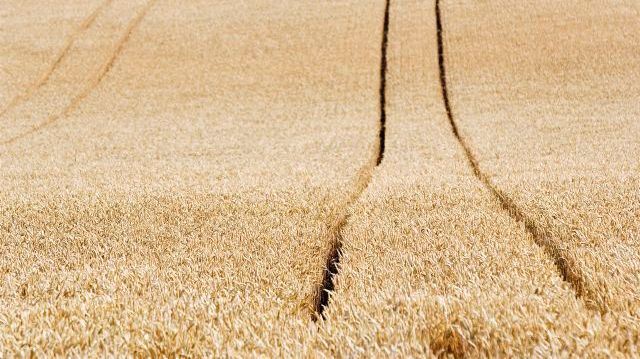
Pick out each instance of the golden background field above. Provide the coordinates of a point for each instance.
(177, 176)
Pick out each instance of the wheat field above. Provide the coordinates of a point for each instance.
(389, 178)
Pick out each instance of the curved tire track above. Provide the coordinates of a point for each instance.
(563, 261)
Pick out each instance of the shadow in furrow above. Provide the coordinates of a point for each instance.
(383, 81)
(567, 268)
(331, 270)
(332, 267)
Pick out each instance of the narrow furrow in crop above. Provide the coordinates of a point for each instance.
(565, 265)
(332, 267)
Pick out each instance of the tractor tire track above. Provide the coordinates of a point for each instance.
(97, 78)
(564, 262)
(324, 290)
(25, 95)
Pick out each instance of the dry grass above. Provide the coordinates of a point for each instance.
(173, 176)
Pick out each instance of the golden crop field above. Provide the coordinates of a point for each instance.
(388, 178)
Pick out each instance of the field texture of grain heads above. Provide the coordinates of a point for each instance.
(174, 184)
(320, 178)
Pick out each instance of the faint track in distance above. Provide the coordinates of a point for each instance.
(98, 77)
(44, 78)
